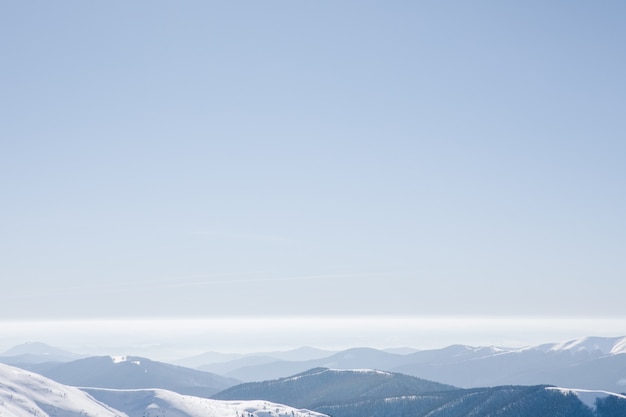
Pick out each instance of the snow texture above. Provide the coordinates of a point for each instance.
(26, 394)
(587, 396)
(602, 345)
(163, 403)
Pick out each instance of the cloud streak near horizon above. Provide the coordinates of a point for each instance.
(175, 337)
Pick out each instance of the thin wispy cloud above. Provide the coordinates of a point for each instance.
(242, 236)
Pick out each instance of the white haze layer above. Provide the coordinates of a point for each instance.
(173, 338)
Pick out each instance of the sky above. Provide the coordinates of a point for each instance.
(419, 162)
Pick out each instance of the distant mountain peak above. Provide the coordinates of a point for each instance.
(321, 385)
(589, 344)
(33, 348)
(36, 352)
(134, 372)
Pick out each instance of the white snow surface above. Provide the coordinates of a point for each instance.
(121, 359)
(619, 346)
(324, 370)
(361, 371)
(27, 394)
(164, 403)
(603, 345)
(587, 396)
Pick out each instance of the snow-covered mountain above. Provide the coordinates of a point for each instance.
(595, 346)
(595, 366)
(348, 359)
(163, 403)
(26, 394)
(593, 363)
(248, 370)
(322, 386)
(587, 363)
(132, 372)
(587, 396)
(365, 392)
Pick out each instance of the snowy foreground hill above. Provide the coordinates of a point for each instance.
(26, 394)
(163, 403)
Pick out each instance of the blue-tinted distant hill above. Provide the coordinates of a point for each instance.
(322, 386)
(358, 393)
(229, 361)
(355, 358)
(36, 352)
(588, 363)
(130, 372)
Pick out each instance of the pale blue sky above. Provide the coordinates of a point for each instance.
(166, 159)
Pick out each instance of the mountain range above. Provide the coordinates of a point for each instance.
(338, 393)
(359, 392)
(576, 378)
(589, 363)
(26, 394)
(594, 363)
(132, 372)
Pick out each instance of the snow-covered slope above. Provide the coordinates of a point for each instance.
(322, 386)
(163, 403)
(26, 394)
(134, 372)
(595, 363)
(593, 345)
(587, 396)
